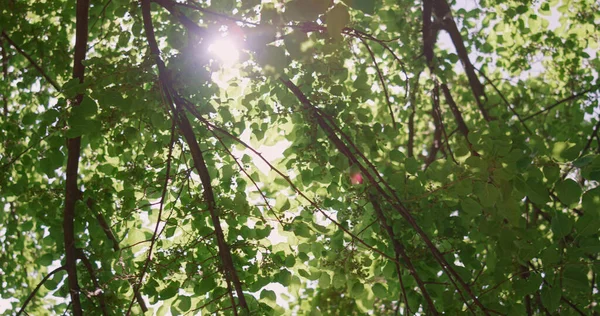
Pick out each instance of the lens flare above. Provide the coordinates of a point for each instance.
(225, 50)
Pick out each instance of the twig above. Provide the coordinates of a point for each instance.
(512, 109)
(381, 80)
(414, 91)
(103, 223)
(292, 185)
(397, 205)
(572, 97)
(32, 294)
(98, 291)
(462, 126)
(33, 63)
(5, 77)
(400, 252)
(437, 122)
(178, 113)
(160, 210)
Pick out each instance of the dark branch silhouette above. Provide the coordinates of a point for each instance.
(72, 193)
(51, 81)
(32, 294)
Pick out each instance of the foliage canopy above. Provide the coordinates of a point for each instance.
(435, 157)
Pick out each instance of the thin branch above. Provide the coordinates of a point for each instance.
(572, 97)
(32, 294)
(103, 223)
(401, 252)
(437, 122)
(185, 128)
(19, 155)
(33, 63)
(512, 109)
(292, 185)
(414, 91)
(393, 200)
(262, 194)
(5, 77)
(160, 210)
(446, 137)
(101, 14)
(462, 126)
(381, 80)
(98, 291)
(589, 142)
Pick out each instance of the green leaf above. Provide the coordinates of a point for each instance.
(561, 225)
(204, 286)
(575, 278)
(169, 291)
(568, 191)
(587, 225)
(46, 259)
(366, 6)
(273, 60)
(337, 18)
(324, 281)
(339, 280)
(358, 289)
(268, 295)
(379, 290)
(551, 297)
(185, 303)
(85, 109)
(411, 165)
(527, 286)
(470, 206)
(305, 10)
(551, 172)
(51, 284)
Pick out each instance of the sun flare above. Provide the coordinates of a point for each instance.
(225, 50)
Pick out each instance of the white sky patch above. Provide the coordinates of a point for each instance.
(270, 153)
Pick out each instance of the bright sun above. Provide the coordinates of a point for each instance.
(224, 49)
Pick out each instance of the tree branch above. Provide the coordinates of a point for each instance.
(442, 11)
(98, 291)
(74, 150)
(381, 80)
(414, 91)
(103, 223)
(512, 109)
(5, 77)
(573, 97)
(437, 122)
(32, 294)
(394, 201)
(462, 126)
(33, 63)
(178, 113)
(400, 252)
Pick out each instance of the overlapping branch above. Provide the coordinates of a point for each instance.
(440, 11)
(392, 199)
(401, 252)
(178, 113)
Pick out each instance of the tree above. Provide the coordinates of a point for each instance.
(436, 157)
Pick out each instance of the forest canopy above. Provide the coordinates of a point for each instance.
(299, 157)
